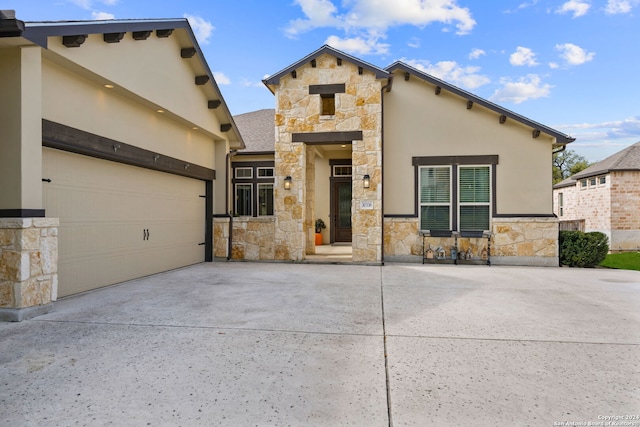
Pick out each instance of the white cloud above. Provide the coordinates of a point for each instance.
(522, 6)
(620, 6)
(618, 129)
(476, 53)
(553, 65)
(358, 45)
(573, 54)
(523, 56)
(201, 28)
(88, 4)
(414, 42)
(250, 83)
(110, 2)
(451, 72)
(101, 16)
(577, 7)
(524, 89)
(221, 78)
(375, 17)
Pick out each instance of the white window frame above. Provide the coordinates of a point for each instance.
(335, 167)
(560, 203)
(265, 168)
(235, 192)
(458, 203)
(249, 168)
(421, 204)
(270, 184)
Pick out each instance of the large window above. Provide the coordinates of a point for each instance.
(455, 197)
(253, 188)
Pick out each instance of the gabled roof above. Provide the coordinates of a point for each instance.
(39, 32)
(624, 160)
(258, 130)
(275, 78)
(560, 137)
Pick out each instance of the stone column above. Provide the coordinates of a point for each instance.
(309, 221)
(28, 267)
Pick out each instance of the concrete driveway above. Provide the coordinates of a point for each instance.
(239, 344)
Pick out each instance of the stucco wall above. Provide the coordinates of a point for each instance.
(417, 122)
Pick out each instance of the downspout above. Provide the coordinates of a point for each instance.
(227, 200)
(384, 88)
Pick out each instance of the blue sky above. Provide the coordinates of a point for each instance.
(570, 64)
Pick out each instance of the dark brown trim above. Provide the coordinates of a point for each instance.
(254, 153)
(140, 35)
(62, 137)
(187, 52)
(254, 181)
(401, 216)
(524, 216)
(112, 37)
(22, 213)
(258, 164)
(340, 162)
(327, 137)
(327, 89)
(208, 224)
(455, 160)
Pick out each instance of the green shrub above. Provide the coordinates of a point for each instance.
(578, 249)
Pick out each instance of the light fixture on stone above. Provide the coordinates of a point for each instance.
(366, 181)
(287, 183)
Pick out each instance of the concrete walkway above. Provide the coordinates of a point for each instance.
(241, 344)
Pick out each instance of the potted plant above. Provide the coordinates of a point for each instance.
(319, 226)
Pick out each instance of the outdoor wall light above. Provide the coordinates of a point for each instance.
(366, 182)
(287, 183)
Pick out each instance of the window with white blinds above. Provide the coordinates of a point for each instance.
(435, 198)
(474, 186)
(468, 202)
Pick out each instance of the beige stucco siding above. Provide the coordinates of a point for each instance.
(78, 102)
(417, 122)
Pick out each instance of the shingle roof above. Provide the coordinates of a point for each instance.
(258, 130)
(627, 159)
(624, 160)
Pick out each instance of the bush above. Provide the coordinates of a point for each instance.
(578, 249)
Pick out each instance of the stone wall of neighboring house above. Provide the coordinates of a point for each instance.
(515, 241)
(591, 203)
(625, 210)
(28, 266)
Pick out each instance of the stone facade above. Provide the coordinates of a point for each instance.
(28, 266)
(252, 238)
(220, 237)
(514, 241)
(611, 208)
(298, 111)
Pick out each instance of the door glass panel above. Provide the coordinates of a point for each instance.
(344, 205)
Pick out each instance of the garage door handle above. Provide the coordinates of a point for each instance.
(145, 234)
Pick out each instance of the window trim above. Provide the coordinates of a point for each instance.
(459, 204)
(271, 168)
(265, 184)
(560, 203)
(254, 182)
(244, 168)
(451, 193)
(235, 193)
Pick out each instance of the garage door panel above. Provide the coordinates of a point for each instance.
(104, 209)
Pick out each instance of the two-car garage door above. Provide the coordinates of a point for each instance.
(119, 222)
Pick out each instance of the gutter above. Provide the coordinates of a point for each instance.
(230, 154)
(9, 25)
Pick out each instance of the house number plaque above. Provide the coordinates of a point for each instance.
(366, 204)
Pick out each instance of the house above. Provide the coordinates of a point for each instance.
(115, 138)
(394, 161)
(605, 197)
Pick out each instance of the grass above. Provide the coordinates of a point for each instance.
(623, 261)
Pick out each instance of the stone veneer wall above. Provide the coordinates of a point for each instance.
(358, 109)
(253, 238)
(220, 237)
(28, 266)
(625, 211)
(515, 241)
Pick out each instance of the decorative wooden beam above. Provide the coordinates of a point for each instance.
(164, 33)
(212, 105)
(469, 104)
(141, 35)
(187, 52)
(502, 119)
(112, 37)
(74, 41)
(407, 76)
(313, 63)
(201, 80)
(225, 127)
(438, 90)
(535, 133)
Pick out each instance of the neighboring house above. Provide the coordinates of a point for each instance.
(114, 145)
(604, 197)
(385, 156)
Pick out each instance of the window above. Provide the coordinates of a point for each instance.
(602, 180)
(455, 197)
(244, 173)
(475, 193)
(253, 187)
(265, 199)
(328, 104)
(583, 183)
(592, 182)
(243, 199)
(265, 172)
(560, 204)
(435, 198)
(342, 170)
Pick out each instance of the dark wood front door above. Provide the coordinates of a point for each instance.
(341, 210)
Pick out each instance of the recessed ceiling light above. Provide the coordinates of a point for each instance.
(343, 146)
(108, 86)
(159, 110)
(195, 128)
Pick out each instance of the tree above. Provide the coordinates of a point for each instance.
(567, 163)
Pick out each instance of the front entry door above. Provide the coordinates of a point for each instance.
(341, 210)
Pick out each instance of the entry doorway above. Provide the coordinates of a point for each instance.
(341, 210)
